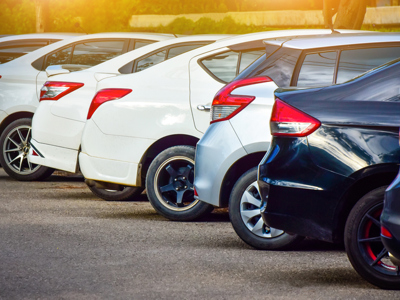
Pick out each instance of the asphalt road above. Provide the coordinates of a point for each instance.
(58, 241)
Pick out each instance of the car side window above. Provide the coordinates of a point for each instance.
(248, 57)
(317, 69)
(58, 58)
(222, 65)
(356, 61)
(96, 52)
(151, 60)
(182, 49)
(12, 51)
(139, 44)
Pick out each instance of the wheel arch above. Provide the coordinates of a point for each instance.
(367, 180)
(241, 166)
(159, 146)
(15, 116)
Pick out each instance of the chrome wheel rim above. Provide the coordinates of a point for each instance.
(16, 148)
(173, 183)
(250, 213)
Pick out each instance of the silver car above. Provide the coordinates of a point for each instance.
(239, 135)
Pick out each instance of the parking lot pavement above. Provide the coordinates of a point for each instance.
(58, 241)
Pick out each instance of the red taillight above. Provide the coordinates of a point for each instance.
(385, 233)
(289, 121)
(104, 96)
(54, 90)
(225, 105)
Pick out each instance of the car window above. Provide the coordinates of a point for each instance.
(356, 61)
(317, 69)
(182, 49)
(139, 44)
(93, 53)
(151, 60)
(223, 65)
(59, 57)
(13, 51)
(248, 57)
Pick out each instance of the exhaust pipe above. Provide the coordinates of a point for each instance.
(104, 185)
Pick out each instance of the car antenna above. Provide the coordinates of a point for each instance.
(333, 30)
(78, 25)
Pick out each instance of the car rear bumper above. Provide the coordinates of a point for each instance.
(54, 157)
(216, 152)
(301, 198)
(113, 171)
(53, 130)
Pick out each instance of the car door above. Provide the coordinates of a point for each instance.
(209, 73)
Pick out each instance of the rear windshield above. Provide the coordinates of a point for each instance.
(279, 66)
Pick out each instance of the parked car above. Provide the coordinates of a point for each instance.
(158, 116)
(238, 137)
(58, 122)
(333, 153)
(14, 46)
(21, 80)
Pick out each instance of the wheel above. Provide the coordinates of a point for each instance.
(169, 185)
(245, 216)
(128, 193)
(363, 242)
(15, 145)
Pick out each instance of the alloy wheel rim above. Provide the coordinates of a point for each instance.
(250, 212)
(370, 244)
(173, 183)
(16, 148)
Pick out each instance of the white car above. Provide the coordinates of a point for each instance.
(14, 46)
(59, 120)
(142, 129)
(21, 80)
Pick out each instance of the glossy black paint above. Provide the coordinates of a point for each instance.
(390, 217)
(312, 183)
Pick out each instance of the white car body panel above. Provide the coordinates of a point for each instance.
(61, 123)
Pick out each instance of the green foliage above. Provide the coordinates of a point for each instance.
(17, 16)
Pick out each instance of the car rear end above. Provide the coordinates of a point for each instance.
(325, 140)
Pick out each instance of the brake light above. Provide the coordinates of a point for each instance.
(385, 233)
(289, 121)
(54, 90)
(225, 105)
(105, 95)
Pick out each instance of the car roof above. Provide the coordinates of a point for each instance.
(32, 36)
(129, 56)
(331, 40)
(32, 56)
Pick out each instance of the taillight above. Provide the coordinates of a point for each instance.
(104, 96)
(385, 233)
(54, 90)
(225, 105)
(289, 121)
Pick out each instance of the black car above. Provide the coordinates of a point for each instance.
(390, 221)
(334, 152)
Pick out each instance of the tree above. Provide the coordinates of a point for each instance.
(42, 15)
(350, 13)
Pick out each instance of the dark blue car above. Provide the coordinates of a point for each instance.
(334, 152)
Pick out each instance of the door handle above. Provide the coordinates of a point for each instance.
(204, 107)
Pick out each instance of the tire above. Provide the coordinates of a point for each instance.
(169, 185)
(363, 244)
(15, 145)
(245, 216)
(127, 194)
